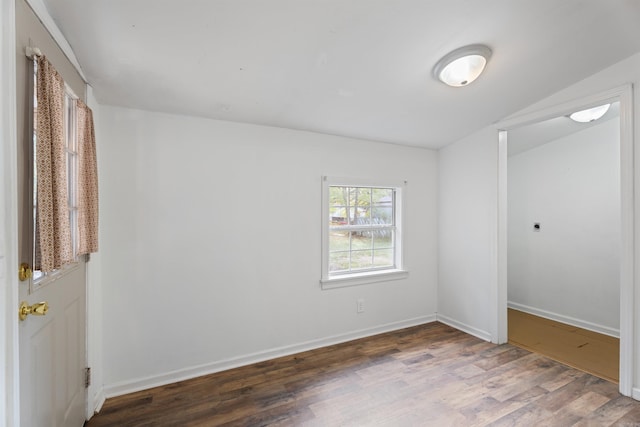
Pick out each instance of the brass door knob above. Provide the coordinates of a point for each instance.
(24, 272)
(38, 309)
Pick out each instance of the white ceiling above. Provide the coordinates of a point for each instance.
(531, 136)
(357, 68)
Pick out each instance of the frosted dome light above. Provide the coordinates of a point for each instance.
(590, 114)
(462, 66)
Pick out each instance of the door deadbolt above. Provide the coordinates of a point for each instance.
(24, 272)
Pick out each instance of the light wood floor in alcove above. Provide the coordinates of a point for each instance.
(589, 351)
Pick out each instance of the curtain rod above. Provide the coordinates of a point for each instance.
(33, 53)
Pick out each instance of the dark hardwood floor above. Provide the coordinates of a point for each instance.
(429, 375)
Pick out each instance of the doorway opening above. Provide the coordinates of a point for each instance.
(565, 245)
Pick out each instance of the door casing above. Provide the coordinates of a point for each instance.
(9, 388)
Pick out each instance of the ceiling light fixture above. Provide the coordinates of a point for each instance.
(590, 114)
(463, 65)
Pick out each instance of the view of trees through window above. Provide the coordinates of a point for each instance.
(362, 229)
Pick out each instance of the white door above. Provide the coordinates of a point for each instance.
(53, 352)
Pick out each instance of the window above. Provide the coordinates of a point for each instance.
(362, 232)
(71, 150)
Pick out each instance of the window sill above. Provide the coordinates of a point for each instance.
(363, 278)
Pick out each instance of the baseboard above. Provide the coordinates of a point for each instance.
(605, 330)
(483, 335)
(635, 393)
(99, 401)
(94, 404)
(145, 383)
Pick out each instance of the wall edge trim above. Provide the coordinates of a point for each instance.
(144, 383)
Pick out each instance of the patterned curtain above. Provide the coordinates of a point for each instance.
(53, 234)
(87, 182)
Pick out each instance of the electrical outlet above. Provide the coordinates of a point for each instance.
(360, 306)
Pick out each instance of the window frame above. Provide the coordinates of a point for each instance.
(343, 279)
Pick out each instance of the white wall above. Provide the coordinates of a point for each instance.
(481, 150)
(569, 270)
(466, 215)
(210, 244)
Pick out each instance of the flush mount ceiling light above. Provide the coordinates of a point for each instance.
(463, 65)
(590, 114)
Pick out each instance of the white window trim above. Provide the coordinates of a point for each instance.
(375, 276)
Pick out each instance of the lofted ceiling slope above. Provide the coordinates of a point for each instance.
(357, 68)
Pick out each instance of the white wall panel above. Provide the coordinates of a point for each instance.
(467, 203)
(571, 266)
(210, 250)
